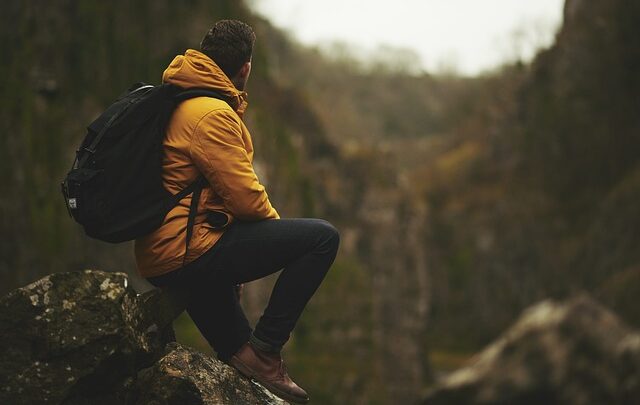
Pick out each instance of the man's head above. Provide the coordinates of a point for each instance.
(229, 43)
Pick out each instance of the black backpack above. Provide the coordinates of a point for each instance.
(114, 189)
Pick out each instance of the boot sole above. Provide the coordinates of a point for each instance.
(247, 372)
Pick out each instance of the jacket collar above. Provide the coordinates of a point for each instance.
(196, 70)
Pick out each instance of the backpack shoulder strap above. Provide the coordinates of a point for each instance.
(196, 188)
(197, 92)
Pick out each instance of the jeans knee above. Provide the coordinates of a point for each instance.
(330, 234)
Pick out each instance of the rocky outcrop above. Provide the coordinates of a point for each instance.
(184, 376)
(88, 337)
(557, 353)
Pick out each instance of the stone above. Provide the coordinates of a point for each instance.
(185, 376)
(74, 334)
(576, 352)
(87, 337)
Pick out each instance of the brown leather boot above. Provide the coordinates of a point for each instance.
(269, 370)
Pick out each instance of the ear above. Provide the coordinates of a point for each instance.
(245, 70)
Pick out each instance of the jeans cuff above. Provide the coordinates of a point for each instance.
(264, 346)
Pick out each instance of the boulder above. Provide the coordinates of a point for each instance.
(88, 338)
(576, 352)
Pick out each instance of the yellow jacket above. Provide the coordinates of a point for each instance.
(207, 136)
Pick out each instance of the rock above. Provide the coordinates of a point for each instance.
(73, 335)
(88, 338)
(557, 353)
(185, 376)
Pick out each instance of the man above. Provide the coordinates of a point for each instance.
(237, 235)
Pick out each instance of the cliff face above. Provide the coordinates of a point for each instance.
(578, 105)
(531, 196)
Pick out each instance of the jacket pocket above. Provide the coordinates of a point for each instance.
(217, 219)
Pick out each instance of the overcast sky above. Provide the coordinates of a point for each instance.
(468, 35)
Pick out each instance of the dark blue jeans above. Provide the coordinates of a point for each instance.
(303, 248)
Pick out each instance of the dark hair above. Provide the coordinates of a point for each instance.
(229, 43)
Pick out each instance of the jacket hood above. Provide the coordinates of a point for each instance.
(196, 70)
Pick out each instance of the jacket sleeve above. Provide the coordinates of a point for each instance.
(218, 151)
